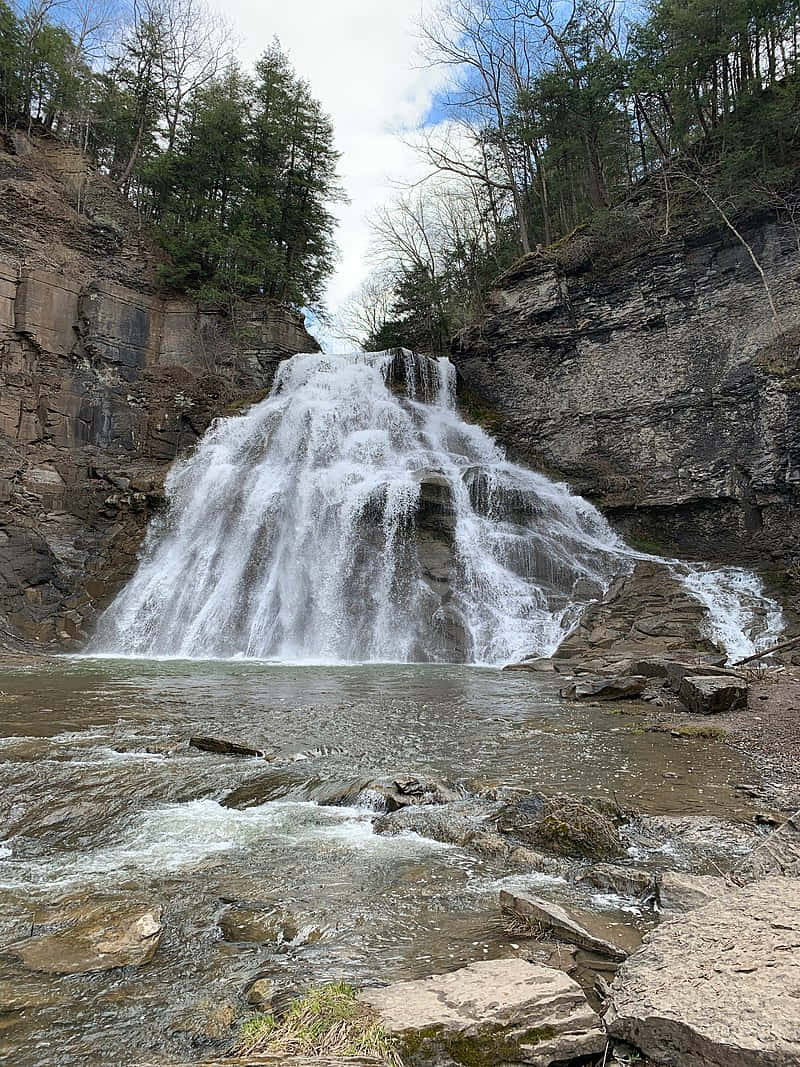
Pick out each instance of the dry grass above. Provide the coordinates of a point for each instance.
(327, 1021)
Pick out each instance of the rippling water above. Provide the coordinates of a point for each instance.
(101, 797)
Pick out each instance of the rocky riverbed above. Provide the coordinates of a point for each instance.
(376, 825)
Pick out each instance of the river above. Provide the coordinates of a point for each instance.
(104, 801)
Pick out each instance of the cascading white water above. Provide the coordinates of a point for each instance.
(353, 516)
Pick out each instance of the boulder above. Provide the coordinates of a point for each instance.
(624, 881)
(562, 825)
(620, 687)
(707, 694)
(680, 892)
(260, 993)
(719, 987)
(438, 824)
(672, 669)
(220, 747)
(495, 1012)
(105, 936)
(555, 923)
(245, 923)
(779, 853)
(391, 794)
(207, 1023)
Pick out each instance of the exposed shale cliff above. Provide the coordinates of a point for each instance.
(650, 374)
(103, 381)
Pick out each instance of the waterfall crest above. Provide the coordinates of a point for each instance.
(353, 515)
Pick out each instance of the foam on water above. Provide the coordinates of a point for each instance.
(180, 836)
(292, 534)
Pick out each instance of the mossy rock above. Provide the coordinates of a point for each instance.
(562, 826)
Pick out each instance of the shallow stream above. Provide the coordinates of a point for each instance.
(102, 798)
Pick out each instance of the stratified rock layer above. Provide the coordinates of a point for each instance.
(103, 381)
(719, 987)
(652, 377)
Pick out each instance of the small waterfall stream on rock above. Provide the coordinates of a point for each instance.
(354, 516)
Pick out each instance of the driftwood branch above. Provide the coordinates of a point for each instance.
(768, 652)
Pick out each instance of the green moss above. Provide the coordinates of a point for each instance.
(473, 409)
(485, 1050)
(710, 733)
(326, 1021)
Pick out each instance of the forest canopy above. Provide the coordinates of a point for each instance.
(557, 113)
(234, 170)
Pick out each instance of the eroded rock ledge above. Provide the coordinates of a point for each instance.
(103, 381)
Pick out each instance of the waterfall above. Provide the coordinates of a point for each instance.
(353, 515)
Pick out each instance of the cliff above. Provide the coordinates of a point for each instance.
(104, 380)
(648, 372)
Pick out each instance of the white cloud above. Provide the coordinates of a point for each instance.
(360, 58)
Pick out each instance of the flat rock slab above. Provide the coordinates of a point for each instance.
(555, 922)
(620, 688)
(719, 987)
(680, 892)
(495, 1012)
(707, 694)
(779, 853)
(104, 937)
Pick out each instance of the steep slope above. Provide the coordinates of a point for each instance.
(103, 381)
(648, 371)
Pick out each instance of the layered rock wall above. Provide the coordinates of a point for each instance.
(657, 383)
(103, 382)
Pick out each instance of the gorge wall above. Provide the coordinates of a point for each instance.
(654, 379)
(103, 381)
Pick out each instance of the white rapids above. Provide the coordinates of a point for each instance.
(293, 533)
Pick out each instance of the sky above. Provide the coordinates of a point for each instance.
(359, 58)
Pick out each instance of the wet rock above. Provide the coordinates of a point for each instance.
(702, 835)
(26, 992)
(562, 825)
(706, 694)
(624, 881)
(499, 846)
(424, 790)
(243, 923)
(719, 987)
(260, 993)
(539, 665)
(620, 687)
(778, 853)
(552, 921)
(452, 827)
(528, 859)
(680, 892)
(490, 843)
(206, 1023)
(220, 747)
(391, 794)
(499, 1011)
(104, 937)
(262, 789)
(240, 923)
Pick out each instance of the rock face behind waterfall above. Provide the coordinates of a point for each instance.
(353, 515)
(653, 379)
(103, 381)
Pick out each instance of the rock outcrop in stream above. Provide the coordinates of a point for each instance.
(103, 381)
(647, 371)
